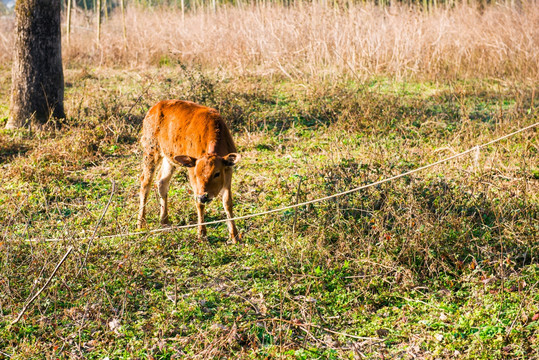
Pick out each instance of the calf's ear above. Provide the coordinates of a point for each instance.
(185, 160)
(231, 159)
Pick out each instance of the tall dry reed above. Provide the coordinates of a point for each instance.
(310, 39)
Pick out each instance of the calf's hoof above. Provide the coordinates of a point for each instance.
(202, 235)
(234, 238)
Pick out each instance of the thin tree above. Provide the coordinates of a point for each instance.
(68, 20)
(37, 91)
(123, 22)
(98, 30)
(183, 11)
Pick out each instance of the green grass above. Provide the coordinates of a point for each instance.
(440, 264)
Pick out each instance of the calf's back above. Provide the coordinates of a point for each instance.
(175, 127)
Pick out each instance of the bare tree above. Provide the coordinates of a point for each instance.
(37, 91)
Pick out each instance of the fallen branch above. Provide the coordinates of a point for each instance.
(28, 303)
(300, 325)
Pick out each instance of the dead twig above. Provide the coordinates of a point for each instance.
(112, 192)
(144, 91)
(296, 209)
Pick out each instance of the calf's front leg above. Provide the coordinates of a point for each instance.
(201, 228)
(227, 204)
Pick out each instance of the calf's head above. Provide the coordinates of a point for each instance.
(209, 174)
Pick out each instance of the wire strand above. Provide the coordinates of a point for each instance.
(181, 227)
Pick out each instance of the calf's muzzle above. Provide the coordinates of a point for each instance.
(203, 199)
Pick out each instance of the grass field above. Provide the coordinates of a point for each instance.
(441, 264)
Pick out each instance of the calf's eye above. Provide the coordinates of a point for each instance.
(216, 175)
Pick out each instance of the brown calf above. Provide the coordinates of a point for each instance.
(182, 133)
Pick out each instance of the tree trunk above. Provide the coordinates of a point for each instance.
(37, 91)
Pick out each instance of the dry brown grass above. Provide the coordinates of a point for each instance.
(310, 39)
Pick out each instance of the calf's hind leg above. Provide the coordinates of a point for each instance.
(165, 174)
(149, 162)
